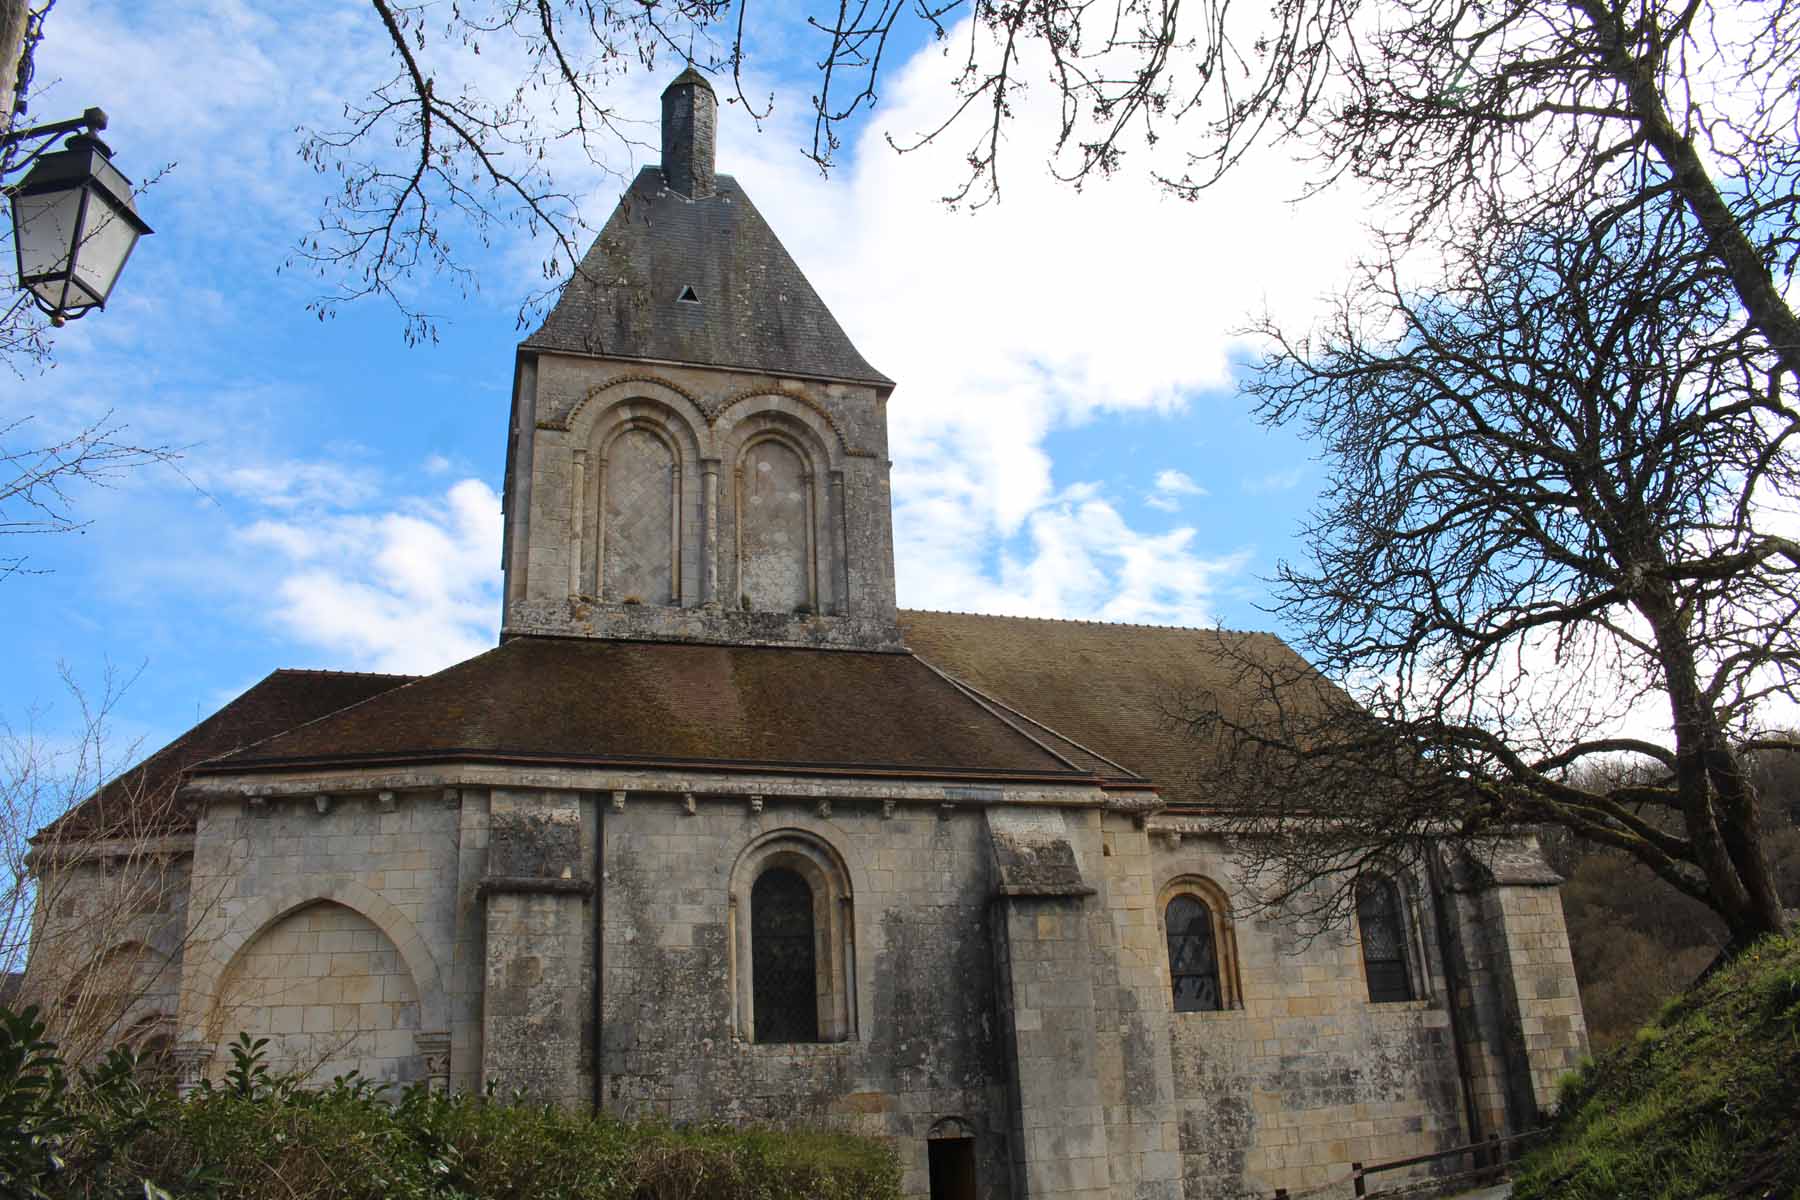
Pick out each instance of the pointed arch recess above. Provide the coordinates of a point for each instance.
(266, 911)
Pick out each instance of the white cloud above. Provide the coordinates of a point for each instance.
(1277, 481)
(1075, 556)
(1052, 310)
(296, 484)
(412, 589)
(1168, 489)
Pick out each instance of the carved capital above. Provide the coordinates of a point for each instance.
(434, 1048)
(191, 1060)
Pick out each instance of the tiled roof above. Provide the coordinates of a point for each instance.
(579, 700)
(980, 697)
(1108, 688)
(142, 800)
(752, 309)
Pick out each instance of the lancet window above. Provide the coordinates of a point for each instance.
(1381, 921)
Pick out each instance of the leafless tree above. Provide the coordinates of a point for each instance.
(39, 482)
(94, 889)
(1531, 109)
(1559, 490)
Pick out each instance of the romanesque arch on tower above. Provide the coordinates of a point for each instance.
(635, 517)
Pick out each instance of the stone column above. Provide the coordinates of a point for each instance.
(839, 547)
(709, 531)
(1045, 979)
(577, 510)
(536, 991)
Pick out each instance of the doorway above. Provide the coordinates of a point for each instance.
(952, 1168)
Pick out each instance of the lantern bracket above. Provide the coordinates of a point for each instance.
(93, 120)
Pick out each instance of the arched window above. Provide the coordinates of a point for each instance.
(1203, 960)
(792, 938)
(1382, 923)
(154, 1043)
(783, 957)
(1193, 957)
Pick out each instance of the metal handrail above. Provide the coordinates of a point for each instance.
(1359, 1173)
(1493, 1146)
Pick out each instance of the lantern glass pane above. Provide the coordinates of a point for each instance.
(66, 293)
(109, 180)
(44, 224)
(106, 242)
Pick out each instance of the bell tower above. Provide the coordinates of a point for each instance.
(697, 451)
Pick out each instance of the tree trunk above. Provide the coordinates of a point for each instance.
(1716, 800)
(1725, 237)
(12, 48)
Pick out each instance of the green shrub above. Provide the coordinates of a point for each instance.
(259, 1133)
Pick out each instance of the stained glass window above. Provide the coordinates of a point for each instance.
(1379, 917)
(784, 973)
(1193, 959)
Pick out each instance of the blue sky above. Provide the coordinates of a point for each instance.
(1066, 435)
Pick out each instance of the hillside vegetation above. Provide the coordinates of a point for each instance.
(1637, 941)
(109, 1132)
(1703, 1102)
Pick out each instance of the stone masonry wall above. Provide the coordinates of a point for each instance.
(107, 943)
(330, 992)
(389, 859)
(574, 417)
(474, 913)
(1543, 981)
(1307, 1076)
(1131, 1009)
(922, 1046)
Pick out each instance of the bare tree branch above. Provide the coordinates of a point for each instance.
(1555, 468)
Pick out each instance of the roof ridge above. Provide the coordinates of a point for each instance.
(334, 671)
(956, 612)
(676, 641)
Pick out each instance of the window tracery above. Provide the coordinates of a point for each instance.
(793, 942)
(783, 957)
(1381, 921)
(1202, 946)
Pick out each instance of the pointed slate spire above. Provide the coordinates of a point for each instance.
(689, 118)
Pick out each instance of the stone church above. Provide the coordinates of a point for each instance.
(718, 833)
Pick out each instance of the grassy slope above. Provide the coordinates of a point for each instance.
(1703, 1102)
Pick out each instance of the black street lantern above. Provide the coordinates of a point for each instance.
(74, 225)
